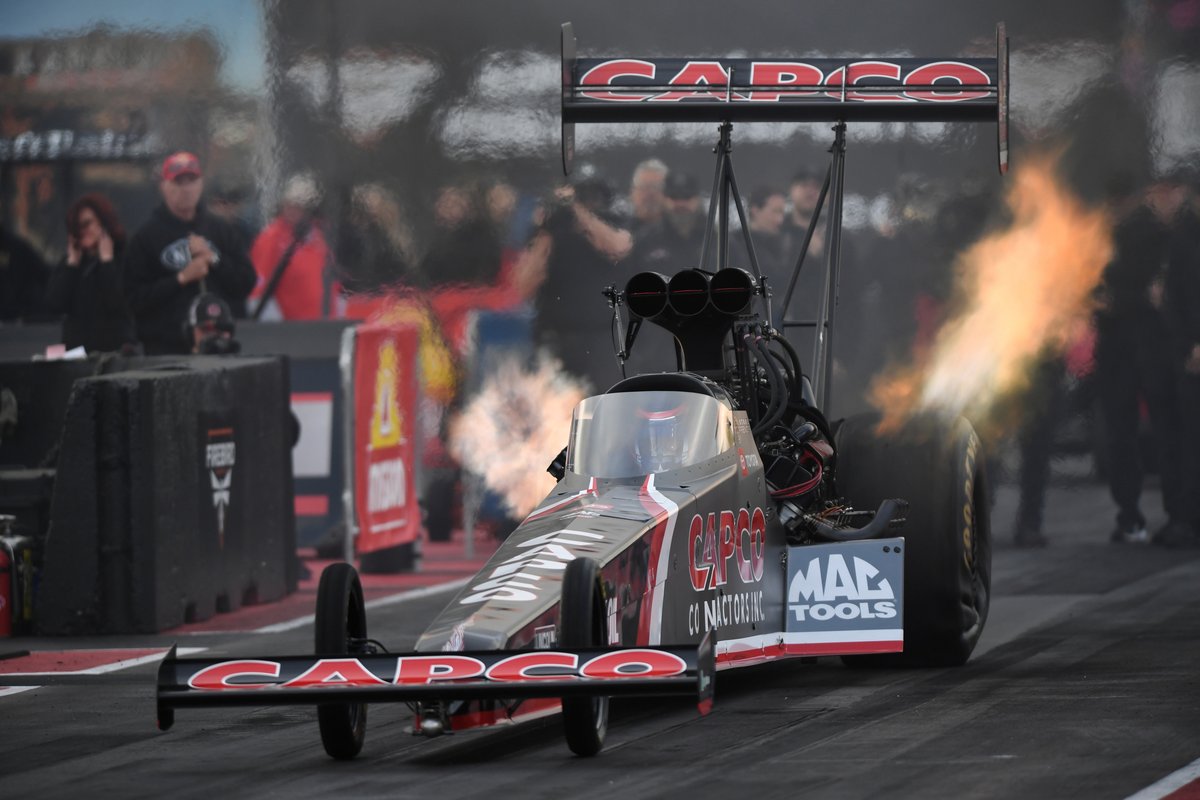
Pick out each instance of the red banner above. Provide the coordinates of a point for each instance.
(385, 421)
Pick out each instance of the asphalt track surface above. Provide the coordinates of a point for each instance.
(1086, 685)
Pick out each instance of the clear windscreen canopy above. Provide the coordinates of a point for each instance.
(629, 434)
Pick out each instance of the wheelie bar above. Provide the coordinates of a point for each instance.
(421, 677)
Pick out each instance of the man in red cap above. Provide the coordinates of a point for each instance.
(180, 252)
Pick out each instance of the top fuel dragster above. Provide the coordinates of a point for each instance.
(705, 518)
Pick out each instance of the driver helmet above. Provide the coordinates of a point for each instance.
(660, 444)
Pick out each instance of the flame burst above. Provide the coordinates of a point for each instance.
(514, 427)
(1024, 290)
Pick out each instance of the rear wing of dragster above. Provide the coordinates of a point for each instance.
(784, 90)
(503, 675)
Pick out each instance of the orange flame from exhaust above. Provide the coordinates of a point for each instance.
(1023, 289)
(511, 431)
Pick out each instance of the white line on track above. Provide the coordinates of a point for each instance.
(1173, 782)
(9, 691)
(379, 602)
(114, 666)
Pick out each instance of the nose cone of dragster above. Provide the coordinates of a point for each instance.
(513, 601)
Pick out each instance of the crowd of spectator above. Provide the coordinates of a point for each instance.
(177, 283)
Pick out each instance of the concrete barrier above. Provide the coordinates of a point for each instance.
(312, 349)
(173, 497)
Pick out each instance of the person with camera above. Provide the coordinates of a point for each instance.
(573, 253)
(180, 253)
(86, 286)
(673, 243)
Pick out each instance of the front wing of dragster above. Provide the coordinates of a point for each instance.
(431, 677)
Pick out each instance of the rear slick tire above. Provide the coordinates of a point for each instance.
(936, 465)
(581, 625)
(341, 616)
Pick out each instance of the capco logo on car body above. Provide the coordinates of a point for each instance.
(728, 543)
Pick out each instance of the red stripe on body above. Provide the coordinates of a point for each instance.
(745, 658)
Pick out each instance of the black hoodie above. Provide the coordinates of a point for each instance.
(158, 252)
(91, 298)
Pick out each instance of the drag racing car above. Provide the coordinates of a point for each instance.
(706, 518)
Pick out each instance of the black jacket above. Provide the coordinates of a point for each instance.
(157, 253)
(1183, 281)
(22, 279)
(91, 298)
(1140, 257)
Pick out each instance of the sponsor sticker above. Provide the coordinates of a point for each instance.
(846, 587)
(545, 637)
(725, 611)
(220, 455)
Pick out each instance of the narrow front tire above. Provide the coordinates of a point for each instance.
(580, 625)
(341, 621)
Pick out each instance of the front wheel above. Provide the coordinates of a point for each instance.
(580, 625)
(341, 620)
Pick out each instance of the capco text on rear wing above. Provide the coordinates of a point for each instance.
(629, 89)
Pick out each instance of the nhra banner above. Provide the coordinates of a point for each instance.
(385, 403)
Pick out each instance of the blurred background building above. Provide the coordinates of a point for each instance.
(411, 98)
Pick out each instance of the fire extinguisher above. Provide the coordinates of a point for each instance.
(6, 589)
